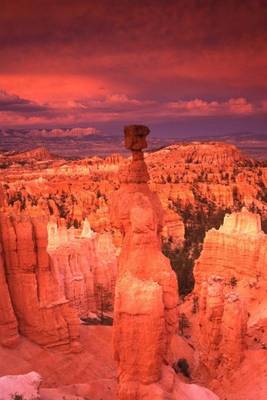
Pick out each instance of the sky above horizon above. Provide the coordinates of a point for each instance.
(181, 67)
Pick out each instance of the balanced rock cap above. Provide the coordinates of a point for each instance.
(135, 137)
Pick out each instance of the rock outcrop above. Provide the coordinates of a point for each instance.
(85, 266)
(146, 295)
(210, 322)
(222, 326)
(43, 315)
(237, 253)
(230, 293)
(173, 229)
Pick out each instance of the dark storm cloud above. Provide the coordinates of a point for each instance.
(14, 103)
(129, 24)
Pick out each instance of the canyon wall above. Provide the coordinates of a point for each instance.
(54, 275)
(43, 315)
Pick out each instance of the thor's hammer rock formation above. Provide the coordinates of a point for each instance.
(146, 294)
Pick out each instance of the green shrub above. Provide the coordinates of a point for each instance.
(17, 396)
(182, 366)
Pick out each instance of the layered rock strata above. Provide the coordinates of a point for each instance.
(236, 252)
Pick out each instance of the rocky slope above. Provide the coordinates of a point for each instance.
(88, 374)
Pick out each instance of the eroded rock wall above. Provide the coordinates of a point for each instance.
(85, 266)
(43, 315)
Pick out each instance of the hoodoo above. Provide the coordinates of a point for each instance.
(146, 294)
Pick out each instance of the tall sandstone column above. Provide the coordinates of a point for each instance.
(146, 295)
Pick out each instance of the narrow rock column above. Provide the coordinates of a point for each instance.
(234, 328)
(146, 295)
(210, 322)
(222, 328)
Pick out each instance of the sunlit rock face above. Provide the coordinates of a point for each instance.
(173, 229)
(146, 295)
(51, 275)
(210, 321)
(85, 266)
(43, 315)
(243, 223)
(237, 252)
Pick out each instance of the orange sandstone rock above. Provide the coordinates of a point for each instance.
(236, 252)
(43, 315)
(146, 289)
(146, 296)
(85, 266)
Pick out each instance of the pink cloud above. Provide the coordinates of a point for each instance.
(199, 107)
(113, 106)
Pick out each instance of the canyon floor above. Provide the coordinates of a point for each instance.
(89, 372)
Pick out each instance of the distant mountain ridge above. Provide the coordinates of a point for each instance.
(84, 142)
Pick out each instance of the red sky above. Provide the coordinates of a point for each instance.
(100, 63)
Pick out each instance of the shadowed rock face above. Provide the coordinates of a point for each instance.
(135, 137)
